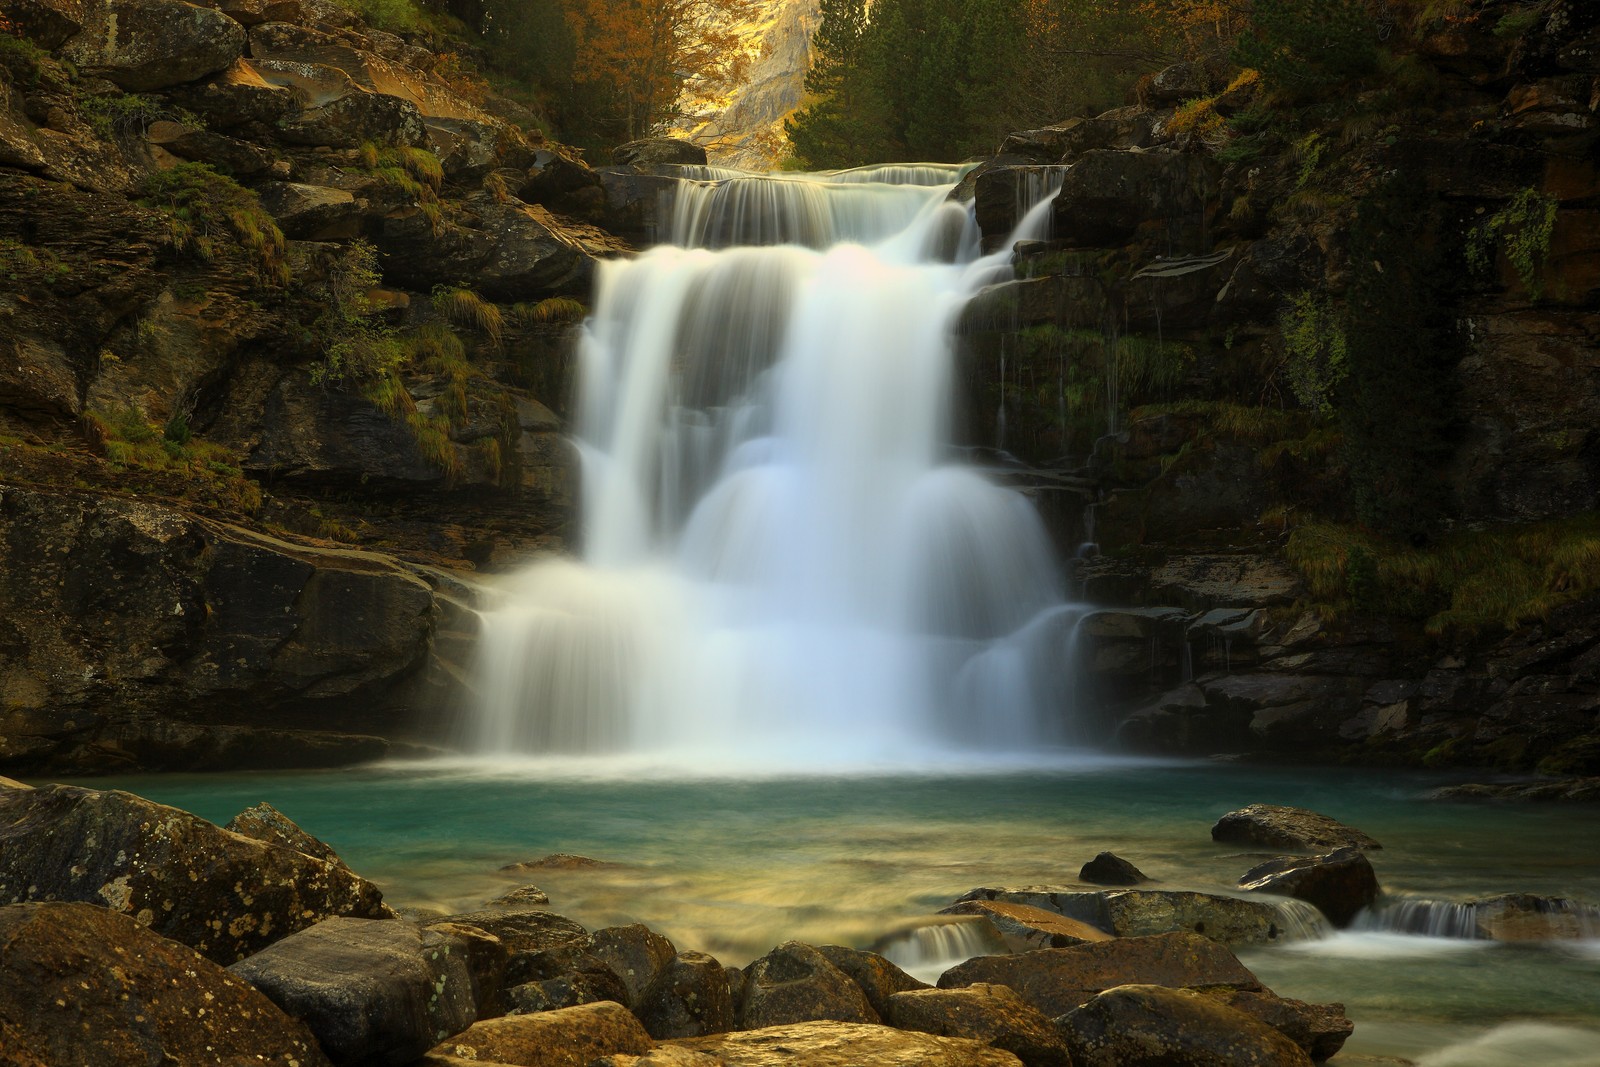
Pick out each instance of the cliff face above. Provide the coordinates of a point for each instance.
(745, 130)
(1334, 585)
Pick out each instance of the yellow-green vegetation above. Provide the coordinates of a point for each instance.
(396, 16)
(207, 471)
(20, 58)
(1252, 425)
(1315, 350)
(1468, 582)
(555, 310)
(19, 260)
(357, 345)
(412, 173)
(1523, 18)
(130, 113)
(460, 306)
(207, 210)
(1199, 118)
(1522, 229)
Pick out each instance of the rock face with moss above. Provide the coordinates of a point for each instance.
(1314, 369)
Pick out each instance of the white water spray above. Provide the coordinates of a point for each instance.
(780, 563)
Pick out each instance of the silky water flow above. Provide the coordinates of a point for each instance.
(783, 562)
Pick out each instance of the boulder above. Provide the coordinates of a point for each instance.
(239, 95)
(795, 983)
(49, 23)
(584, 982)
(1057, 980)
(521, 930)
(487, 960)
(90, 987)
(1024, 927)
(1528, 917)
(1001, 196)
(1320, 1029)
(990, 1013)
(1278, 826)
(143, 45)
(840, 1044)
(878, 977)
(225, 895)
(354, 118)
(521, 897)
(1108, 195)
(1173, 85)
(1339, 883)
(637, 205)
(263, 822)
(563, 184)
(1233, 920)
(656, 151)
(567, 1037)
(1110, 869)
(311, 212)
(1152, 1026)
(689, 997)
(238, 158)
(379, 993)
(636, 955)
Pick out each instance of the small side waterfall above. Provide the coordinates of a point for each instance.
(1515, 917)
(780, 561)
(928, 950)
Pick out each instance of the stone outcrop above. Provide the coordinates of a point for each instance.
(795, 983)
(153, 44)
(373, 992)
(92, 987)
(225, 895)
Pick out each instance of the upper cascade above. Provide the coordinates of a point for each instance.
(782, 563)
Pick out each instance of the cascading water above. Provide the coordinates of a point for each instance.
(780, 561)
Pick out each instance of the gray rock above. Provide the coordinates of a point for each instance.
(1233, 920)
(1319, 1029)
(636, 954)
(656, 151)
(380, 993)
(878, 977)
(123, 852)
(311, 212)
(143, 45)
(1151, 1026)
(1110, 869)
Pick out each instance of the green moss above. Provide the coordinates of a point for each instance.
(1522, 229)
(357, 345)
(1315, 350)
(207, 211)
(201, 471)
(20, 261)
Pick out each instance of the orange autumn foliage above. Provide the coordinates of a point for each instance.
(644, 52)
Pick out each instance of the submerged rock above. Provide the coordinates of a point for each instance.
(1339, 883)
(1110, 869)
(1152, 1026)
(223, 894)
(1278, 826)
(1320, 1029)
(90, 987)
(989, 1013)
(828, 1043)
(378, 993)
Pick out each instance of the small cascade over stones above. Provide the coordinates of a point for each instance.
(782, 560)
(1515, 917)
(928, 950)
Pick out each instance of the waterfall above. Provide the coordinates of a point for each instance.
(780, 558)
(928, 950)
(1514, 917)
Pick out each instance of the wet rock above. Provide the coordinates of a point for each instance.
(637, 205)
(90, 987)
(656, 151)
(636, 954)
(1151, 1026)
(1279, 826)
(1110, 869)
(1057, 980)
(561, 861)
(689, 997)
(1024, 927)
(225, 895)
(566, 1037)
(1207, 582)
(998, 196)
(795, 983)
(878, 977)
(1140, 912)
(1339, 883)
(989, 1013)
(143, 45)
(1319, 1029)
(1529, 917)
(1107, 195)
(379, 993)
(587, 982)
(487, 960)
(840, 1044)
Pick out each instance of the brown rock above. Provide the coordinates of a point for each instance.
(690, 997)
(1339, 884)
(990, 1013)
(1234, 920)
(48, 22)
(878, 977)
(1278, 826)
(567, 1037)
(1057, 980)
(795, 983)
(1152, 1026)
(839, 1044)
(1024, 927)
(1110, 869)
(1320, 1029)
(90, 987)
(263, 822)
(153, 44)
(635, 954)
(223, 894)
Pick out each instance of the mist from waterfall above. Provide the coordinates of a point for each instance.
(782, 562)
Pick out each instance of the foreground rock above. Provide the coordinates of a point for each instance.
(225, 895)
(1142, 912)
(90, 987)
(1057, 980)
(1152, 1026)
(795, 983)
(1319, 1029)
(989, 1013)
(879, 978)
(1338, 884)
(839, 1044)
(1277, 826)
(689, 997)
(568, 1037)
(380, 993)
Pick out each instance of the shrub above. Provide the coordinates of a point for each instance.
(1316, 356)
(205, 209)
(357, 346)
(1522, 229)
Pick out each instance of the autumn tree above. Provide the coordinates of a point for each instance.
(641, 54)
